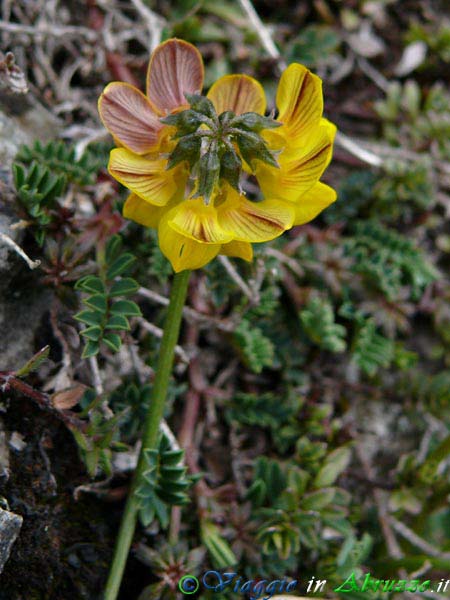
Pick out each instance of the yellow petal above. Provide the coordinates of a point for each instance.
(242, 250)
(129, 117)
(142, 212)
(175, 68)
(183, 252)
(254, 221)
(147, 178)
(300, 169)
(199, 222)
(313, 202)
(239, 93)
(299, 102)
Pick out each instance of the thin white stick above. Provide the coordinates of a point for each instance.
(352, 147)
(189, 313)
(98, 385)
(33, 264)
(262, 31)
(155, 23)
(416, 540)
(236, 278)
(49, 31)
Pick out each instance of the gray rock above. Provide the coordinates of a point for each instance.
(22, 301)
(22, 121)
(10, 525)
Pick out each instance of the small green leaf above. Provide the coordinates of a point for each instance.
(120, 265)
(318, 500)
(92, 333)
(126, 307)
(89, 317)
(91, 284)
(118, 322)
(123, 287)
(113, 341)
(97, 302)
(334, 465)
(113, 248)
(34, 363)
(146, 514)
(91, 349)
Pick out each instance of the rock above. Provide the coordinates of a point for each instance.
(23, 301)
(22, 121)
(10, 525)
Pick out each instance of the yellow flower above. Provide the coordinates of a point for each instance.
(174, 146)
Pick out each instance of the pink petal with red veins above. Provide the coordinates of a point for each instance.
(129, 117)
(175, 68)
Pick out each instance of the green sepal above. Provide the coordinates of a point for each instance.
(208, 174)
(187, 149)
(252, 147)
(231, 169)
(202, 105)
(186, 121)
(251, 121)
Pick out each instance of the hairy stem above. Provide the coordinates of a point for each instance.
(151, 428)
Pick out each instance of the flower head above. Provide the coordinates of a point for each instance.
(184, 156)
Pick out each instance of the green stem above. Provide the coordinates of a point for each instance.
(151, 428)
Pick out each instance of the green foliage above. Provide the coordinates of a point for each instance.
(291, 506)
(136, 399)
(264, 410)
(107, 313)
(349, 337)
(34, 362)
(388, 260)
(436, 37)
(404, 185)
(256, 349)
(414, 119)
(60, 159)
(38, 190)
(219, 550)
(355, 193)
(168, 563)
(319, 324)
(164, 483)
(314, 46)
(100, 437)
(370, 349)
